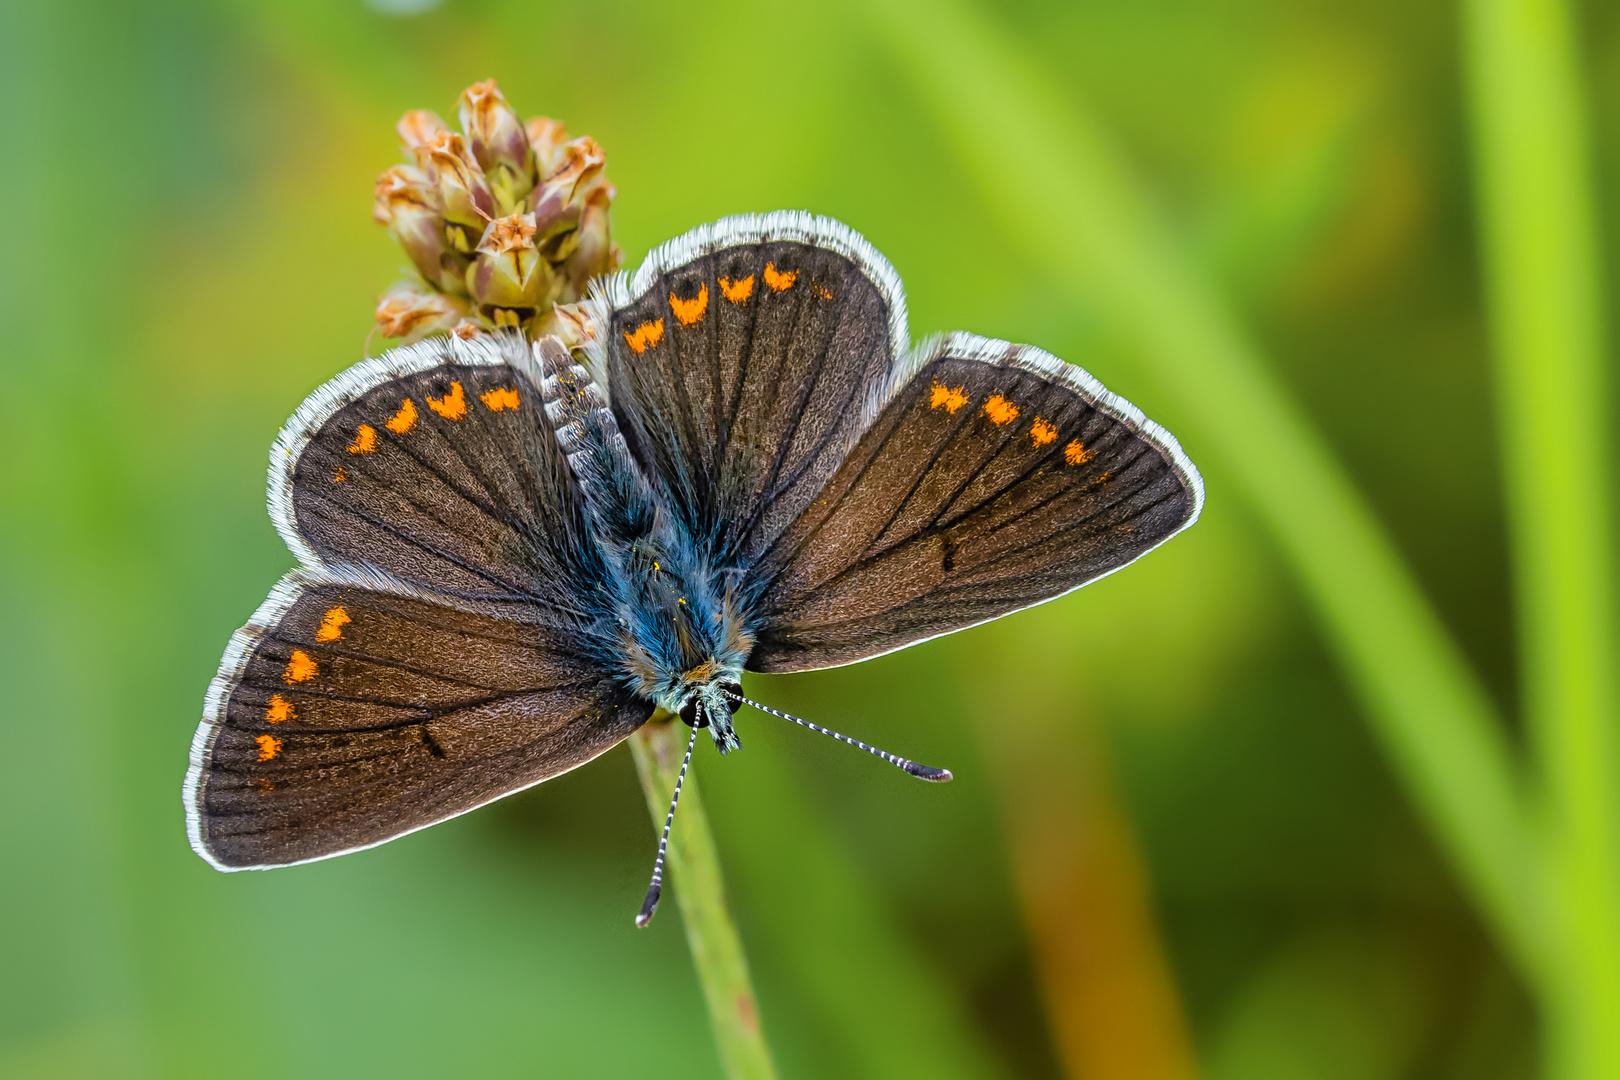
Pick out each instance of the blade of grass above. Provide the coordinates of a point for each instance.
(1539, 228)
(1072, 206)
(717, 950)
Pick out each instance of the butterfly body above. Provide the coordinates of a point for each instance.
(680, 637)
(511, 556)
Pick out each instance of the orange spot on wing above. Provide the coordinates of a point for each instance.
(648, 333)
(365, 440)
(332, 624)
(300, 668)
(690, 311)
(502, 397)
(403, 420)
(779, 282)
(280, 709)
(948, 398)
(340, 476)
(264, 784)
(1000, 410)
(269, 746)
(1042, 432)
(737, 291)
(1076, 453)
(823, 292)
(453, 406)
(1103, 479)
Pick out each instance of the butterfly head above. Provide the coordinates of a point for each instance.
(711, 705)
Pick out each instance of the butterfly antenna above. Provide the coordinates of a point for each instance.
(657, 886)
(925, 772)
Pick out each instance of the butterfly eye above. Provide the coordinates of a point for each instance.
(689, 715)
(734, 697)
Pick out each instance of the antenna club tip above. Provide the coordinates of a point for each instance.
(648, 909)
(925, 772)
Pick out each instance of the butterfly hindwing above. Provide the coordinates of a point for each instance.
(343, 717)
(737, 361)
(436, 465)
(994, 478)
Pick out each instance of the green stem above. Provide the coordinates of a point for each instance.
(1069, 202)
(1538, 223)
(717, 952)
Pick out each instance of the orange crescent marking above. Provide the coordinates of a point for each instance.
(280, 709)
(269, 746)
(301, 668)
(1000, 410)
(737, 291)
(403, 420)
(332, 624)
(1076, 453)
(502, 397)
(453, 406)
(1042, 432)
(648, 333)
(690, 311)
(780, 282)
(340, 476)
(365, 440)
(947, 398)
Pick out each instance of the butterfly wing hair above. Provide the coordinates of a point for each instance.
(864, 494)
(440, 646)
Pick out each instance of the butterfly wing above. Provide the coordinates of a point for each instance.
(342, 717)
(737, 360)
(435, 468)
(993, 477)
(870, 495)
(442, 645)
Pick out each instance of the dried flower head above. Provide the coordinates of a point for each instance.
(502, 220)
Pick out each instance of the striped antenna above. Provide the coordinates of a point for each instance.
(650, 905)
(924, 772)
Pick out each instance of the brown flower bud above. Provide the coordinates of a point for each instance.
(407, 203)
(464, 196)
(417, 128)
(593, 251)
(508, 279)
(409, 311)
(499, 143)
(545, 135)
(573, 324)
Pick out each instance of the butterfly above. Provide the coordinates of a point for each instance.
(512, 554)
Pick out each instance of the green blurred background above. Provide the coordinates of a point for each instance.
(1174, 844)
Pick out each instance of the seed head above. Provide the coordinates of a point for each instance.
(502, 220)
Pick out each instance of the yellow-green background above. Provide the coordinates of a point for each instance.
(188, 251)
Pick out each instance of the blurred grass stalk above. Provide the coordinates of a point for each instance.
(1106, 984)
(1067, 198)
(717, 951)
(1539, 227)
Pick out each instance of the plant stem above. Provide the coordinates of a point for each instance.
(1074, 208)
(1539, 228)
(717, 952)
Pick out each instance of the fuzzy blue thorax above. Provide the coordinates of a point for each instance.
(683, 641)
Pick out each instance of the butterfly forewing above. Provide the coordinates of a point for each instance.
(343, 717)
(437, 465)
(738, 369)
(996, 478)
